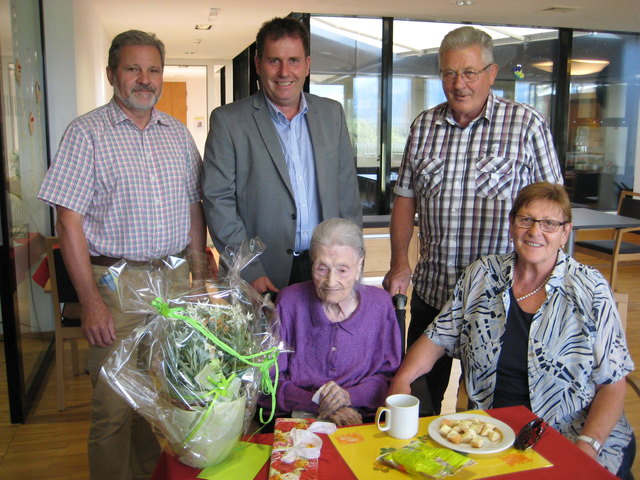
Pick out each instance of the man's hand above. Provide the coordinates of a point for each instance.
(397, 280)
(401, 227)
(263, 285)
(345, 416)
(97, 324)
(212, 266)
(332, 398)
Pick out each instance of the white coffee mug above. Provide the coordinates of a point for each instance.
(402, 413)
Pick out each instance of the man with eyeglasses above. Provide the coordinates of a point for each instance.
(464, 162)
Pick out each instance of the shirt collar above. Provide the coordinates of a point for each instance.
(280, 117)
(349, 325)
(486, 113)
(117, 115)
(505, 280)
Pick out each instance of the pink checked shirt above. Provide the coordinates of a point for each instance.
(134, 187)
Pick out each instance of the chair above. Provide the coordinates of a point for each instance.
(462, 400)
(616, 250)
(419, 387)
(67, 318)
(622, 302)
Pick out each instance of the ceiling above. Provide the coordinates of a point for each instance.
(237, 21)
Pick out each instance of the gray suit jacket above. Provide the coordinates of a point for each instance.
(246, 186)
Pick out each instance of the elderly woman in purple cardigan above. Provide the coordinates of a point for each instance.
(344, 335)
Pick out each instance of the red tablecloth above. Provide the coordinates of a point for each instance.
(568, 461)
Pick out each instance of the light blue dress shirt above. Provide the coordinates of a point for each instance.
(298, 152)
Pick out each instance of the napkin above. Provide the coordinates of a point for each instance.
(296, 448)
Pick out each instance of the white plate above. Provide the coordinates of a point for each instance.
(508, 435)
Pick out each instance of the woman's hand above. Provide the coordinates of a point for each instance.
(332, 398)
(345, 416)
(586, 448)
(399, 387)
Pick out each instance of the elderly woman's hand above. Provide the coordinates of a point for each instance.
(332, 397)
(345, 416)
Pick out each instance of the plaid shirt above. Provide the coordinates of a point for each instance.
(465, 180)
(134, 187)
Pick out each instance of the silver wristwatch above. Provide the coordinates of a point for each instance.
(595, 444)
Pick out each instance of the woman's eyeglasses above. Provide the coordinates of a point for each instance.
(548, 226)
(529, 435)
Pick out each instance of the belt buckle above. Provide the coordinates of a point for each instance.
(157, 262)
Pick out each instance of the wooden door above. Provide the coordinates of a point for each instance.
(174, 100)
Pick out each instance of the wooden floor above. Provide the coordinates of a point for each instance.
(52, 444)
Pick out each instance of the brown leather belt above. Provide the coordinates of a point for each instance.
(104, 261)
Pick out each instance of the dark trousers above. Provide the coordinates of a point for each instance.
(438, 378)
(624, 472)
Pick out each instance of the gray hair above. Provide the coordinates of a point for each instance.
(338, 231)
(466, 37)
(129, 38)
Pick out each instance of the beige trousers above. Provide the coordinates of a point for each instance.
(122, 445)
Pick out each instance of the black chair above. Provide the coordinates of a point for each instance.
(66, 311)
(617, 250)
(419, 387)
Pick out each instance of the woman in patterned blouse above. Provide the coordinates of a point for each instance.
(536, 328)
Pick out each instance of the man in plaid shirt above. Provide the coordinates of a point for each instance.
(125, 183)
(464, 162)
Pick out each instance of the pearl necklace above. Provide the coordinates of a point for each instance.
(536, 290)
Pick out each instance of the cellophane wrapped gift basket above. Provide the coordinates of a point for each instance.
(195, 369)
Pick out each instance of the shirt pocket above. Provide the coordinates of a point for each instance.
(429, 175)
(494, 177)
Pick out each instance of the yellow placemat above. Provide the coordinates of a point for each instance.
(361, 445)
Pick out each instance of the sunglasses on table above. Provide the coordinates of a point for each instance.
(530, 434)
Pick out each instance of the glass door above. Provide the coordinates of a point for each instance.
(27, 313)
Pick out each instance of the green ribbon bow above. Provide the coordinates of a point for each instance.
(262, 360)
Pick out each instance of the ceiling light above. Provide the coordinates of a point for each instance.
(463, 3)
(213, 13)
(577, 66)
(203, 26)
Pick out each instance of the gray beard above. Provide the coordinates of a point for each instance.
(132, 103)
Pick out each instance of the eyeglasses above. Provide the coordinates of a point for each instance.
(469, 76)
(529, 435)
(548, 226)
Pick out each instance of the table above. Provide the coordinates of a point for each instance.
(568, 461)
(588, 219)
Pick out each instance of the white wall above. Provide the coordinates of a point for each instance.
(92, 51)
(195, 76)
(76, 52)
(213, 78)
(203, 94)
(60, 67)
(197, 111)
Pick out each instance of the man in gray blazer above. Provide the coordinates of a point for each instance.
(278, 163)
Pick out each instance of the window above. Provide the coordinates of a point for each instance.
(416, 79)
(602, 135)
(603, 117)
(346, 64)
